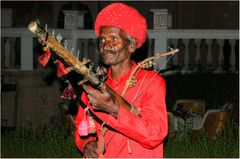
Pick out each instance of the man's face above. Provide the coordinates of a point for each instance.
(113, 45)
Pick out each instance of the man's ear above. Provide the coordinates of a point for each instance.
(132, 46)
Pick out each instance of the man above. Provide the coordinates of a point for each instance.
(121, 30)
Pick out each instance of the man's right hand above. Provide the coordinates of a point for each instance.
(91, 150)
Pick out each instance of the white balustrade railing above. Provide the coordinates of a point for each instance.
(85, 41)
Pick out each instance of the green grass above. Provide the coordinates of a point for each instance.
(38, 143)
(225, 146)
(29, 142)
(215, 89)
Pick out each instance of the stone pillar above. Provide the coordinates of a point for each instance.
(74, 19)
(26, 53)
(160, 47)
(7, 50)
(160, 21)
(215, 51)
(192, 53)
(6, 22)
(160, 18)
(203, 53)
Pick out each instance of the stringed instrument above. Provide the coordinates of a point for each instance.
(52, 43)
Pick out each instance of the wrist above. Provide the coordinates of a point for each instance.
(115, 110)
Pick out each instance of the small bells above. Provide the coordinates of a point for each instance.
(132, 81)
(148, 65)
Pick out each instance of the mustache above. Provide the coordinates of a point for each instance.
(103, 53)
(113, 52)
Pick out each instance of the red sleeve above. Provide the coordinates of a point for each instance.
(80, 142)
(152, 127)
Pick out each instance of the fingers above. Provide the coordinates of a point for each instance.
(90, 91)
(92, 94)
(90, 150)
(95, 92)
(99, 100)
(91, 99)
(103, 88)
(85, 88)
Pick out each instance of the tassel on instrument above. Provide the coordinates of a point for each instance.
(87, 127)
(91, 126)
(83, 127)
(68, 93)
(44, 58)
(61, 70)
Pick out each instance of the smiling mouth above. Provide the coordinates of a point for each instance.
(109, 53)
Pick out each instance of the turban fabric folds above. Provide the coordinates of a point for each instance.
(124, 17)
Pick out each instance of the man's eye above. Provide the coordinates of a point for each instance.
(114, 38)
(101, 41)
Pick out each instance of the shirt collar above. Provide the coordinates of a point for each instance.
(125, 76)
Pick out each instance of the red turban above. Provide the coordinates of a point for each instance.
(125, 17)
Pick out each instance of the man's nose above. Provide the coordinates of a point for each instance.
(107, 45)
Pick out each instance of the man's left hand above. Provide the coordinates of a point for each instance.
(102, 100)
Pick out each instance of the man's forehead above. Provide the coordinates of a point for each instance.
(112, 30)
(109, 29)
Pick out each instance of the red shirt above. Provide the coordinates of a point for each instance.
(136, 137)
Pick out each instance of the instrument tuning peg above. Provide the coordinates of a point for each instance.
(84, 59)
(72, 49)
(78, 53)
(46, 27)
(82, 81)
(91, 64)
(65, 44)
(38, 21)
(170, 48)
(59, 38)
